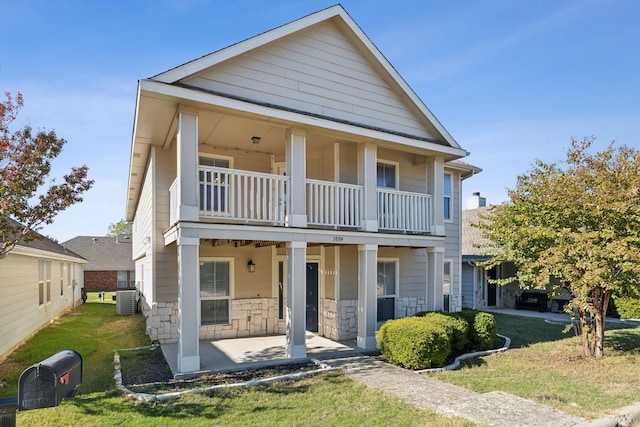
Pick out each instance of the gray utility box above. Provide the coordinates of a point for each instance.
(47, 383)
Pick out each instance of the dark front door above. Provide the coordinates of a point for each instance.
(312, 297)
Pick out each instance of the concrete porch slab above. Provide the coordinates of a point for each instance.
(244, 353)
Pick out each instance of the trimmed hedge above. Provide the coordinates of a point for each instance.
(414, 342)
(429, 338)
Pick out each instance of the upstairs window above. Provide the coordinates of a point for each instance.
(386, 175)
(447, 196)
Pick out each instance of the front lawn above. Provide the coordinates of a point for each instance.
(547, 366)
(95, 331)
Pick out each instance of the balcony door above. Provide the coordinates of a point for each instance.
(214, 195)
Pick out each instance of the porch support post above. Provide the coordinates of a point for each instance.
(188, 290)
(296, 158)
(435, 277)
(367, 295)
(187, 166)
(367, 177)
(435, 187)
(296, 299)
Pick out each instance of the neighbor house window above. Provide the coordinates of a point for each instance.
(213, 184)
(447, 196)
(122, 279)
(61, 278)
(446, 287)
(215, 291)
(40, 282)
(68, 274)
(132, 279)
(47, 265)
(386, 289)
(386, 175)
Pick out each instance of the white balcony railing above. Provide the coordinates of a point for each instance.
(403, 211)
(333, 204)
(242, 195)
(263, 198)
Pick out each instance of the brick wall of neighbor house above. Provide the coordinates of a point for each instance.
(103, 280)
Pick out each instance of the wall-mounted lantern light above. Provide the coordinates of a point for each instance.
(251, 267)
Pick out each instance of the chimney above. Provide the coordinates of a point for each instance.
(476, 201)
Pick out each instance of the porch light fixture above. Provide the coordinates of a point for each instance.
(255, 139)
(251, 267)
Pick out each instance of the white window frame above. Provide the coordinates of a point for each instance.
(396, 167)
(61, 279)
(447, 198)
(277, 259)
(450, 263)
(226, 195)
(41, 300)
(231, 262)
(47, 265)
(396, 261)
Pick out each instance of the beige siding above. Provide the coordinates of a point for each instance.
(413, 270)
(317, 71)
(348, 272)
(453, 233)
(247, 285)
(412, 171)
(330, 272)
(245, 160)
(22, 315)
(142, 222)
(165, 264)
(348, 168)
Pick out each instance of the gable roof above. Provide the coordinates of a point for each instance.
(104, 253)
(339, 17)
(472, 236)
(41, 245)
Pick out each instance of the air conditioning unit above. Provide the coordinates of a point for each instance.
(126, 302)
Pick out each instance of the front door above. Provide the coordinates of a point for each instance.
(491, 288)
(312, 297)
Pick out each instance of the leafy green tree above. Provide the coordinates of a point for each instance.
(120, 227)
(25, 164)
(574, 226)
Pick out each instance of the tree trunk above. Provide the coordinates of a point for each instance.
(601, 303)
(584, 332)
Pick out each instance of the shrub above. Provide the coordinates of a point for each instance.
(414, 343)
(628, 308)
(457, 329)
(484, 330)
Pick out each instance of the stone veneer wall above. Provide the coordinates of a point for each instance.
(410, 306)
(249, 317)
(330, 318)
(347, 319)
(162, 320)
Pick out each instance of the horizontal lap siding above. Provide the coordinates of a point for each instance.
(22, 315)
(413, 270)
(165, 266)
(317, 71)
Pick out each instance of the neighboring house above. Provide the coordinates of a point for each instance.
(291, 182)
(39, 281)
(110, 267)
(477, 291)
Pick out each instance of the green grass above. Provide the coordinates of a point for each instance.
(547, 366)
(94, 330)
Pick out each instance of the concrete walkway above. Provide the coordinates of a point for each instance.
(492, 409)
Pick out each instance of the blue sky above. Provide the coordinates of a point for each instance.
(512, 81)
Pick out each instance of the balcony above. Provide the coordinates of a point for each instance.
(259, 198)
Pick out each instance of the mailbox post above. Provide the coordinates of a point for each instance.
(44, 385)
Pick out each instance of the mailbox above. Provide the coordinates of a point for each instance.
(47, 383)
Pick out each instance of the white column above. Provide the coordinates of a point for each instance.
(367, 177)
(367, 295)
(296, 158)
(188, 292)
(296, 299)
(435, 186)
(187, 166)
(435, 277)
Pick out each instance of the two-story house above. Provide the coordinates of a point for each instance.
(291, 182)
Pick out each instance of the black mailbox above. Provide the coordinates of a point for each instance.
(47, 383)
